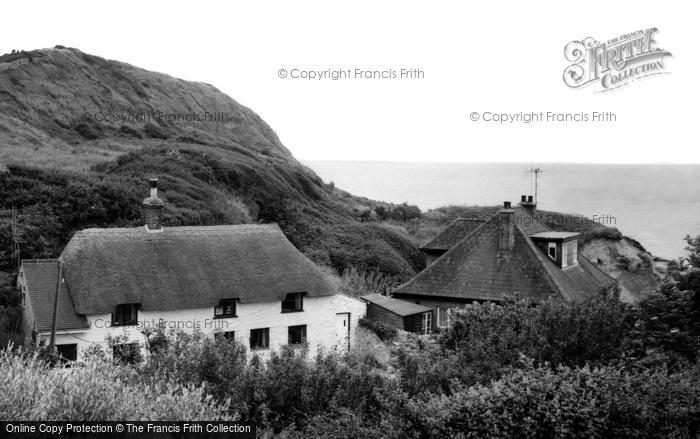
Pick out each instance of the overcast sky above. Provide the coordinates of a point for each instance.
(502, 57)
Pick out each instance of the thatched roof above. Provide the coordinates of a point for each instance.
(186, 267)
(40, 276)
(476, 269)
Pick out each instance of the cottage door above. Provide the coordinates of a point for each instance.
(342, 330)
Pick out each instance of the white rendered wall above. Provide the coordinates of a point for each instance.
(319, 315)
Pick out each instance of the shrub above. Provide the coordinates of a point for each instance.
(383, 331)
(562, 403)
(356, 283)
(95, 391)
(490, 337)
(405, 212)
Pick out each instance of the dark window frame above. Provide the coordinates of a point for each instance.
(263, 338)
(296, 305)
(302, 334)
(222, 305)
(69, 348)
(120, 317)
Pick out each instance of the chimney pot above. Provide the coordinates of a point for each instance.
(529, 199)
(506, 204)
(523, 198)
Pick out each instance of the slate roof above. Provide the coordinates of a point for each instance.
(40, 277)
(529, 224)
(186, 267)
(399, 307)
(477, 269)
(453, 233)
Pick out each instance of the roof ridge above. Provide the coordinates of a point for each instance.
(532, 215)
(39, 261)
(183, 228)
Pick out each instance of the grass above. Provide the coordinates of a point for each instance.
(94, 391)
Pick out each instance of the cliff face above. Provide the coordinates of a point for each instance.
(98, 125)
(638, 272)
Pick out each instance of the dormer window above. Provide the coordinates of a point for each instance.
(126, 314)
(293, 302)
(226, 308)
(569, 253)
(560, 247)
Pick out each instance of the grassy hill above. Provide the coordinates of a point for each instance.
(81, 135)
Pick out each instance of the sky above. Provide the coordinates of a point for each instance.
(503, 57)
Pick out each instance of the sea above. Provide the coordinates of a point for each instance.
(658, 205)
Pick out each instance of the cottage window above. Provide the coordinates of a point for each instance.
(225, 335)
(427, 323)
(296, 334)
(443, 317)
(68, 351)
(293, 302)
(226, 308)
(571, 253)
(126, 314)
(260, 338)
(552, 250)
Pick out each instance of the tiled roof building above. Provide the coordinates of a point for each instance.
(510, 253)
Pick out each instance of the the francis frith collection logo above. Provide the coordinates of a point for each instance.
(614, 63)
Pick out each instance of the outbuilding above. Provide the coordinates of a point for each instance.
(401, 314)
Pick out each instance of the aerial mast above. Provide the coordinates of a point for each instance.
(536, 173)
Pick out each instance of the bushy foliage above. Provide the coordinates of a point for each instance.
(96, 390)
(404, 212)
(356, 283)
(488, 337)
(275, 393)
(562, 403)
(382, 330)
(199, 189)
(558, 369)
(668, 326)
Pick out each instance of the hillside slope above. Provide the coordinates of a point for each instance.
(65, 105)
(67, 168)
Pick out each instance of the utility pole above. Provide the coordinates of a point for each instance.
(15, 243)
(52, 342)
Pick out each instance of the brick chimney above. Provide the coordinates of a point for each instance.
(153, 208)
(506, 222)
(528, 203)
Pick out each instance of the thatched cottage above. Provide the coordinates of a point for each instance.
(246, 282)
(512, 252)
